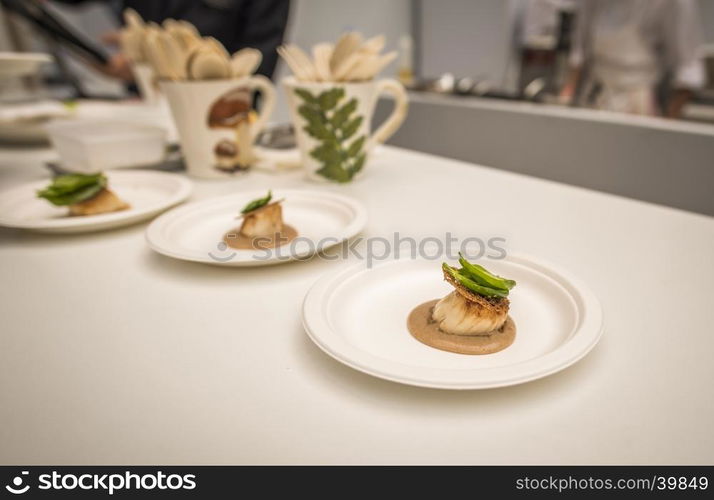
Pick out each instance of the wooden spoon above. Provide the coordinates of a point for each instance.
(215, 45)
(343, 70)
(188, 35)
(184, 36)
(130, 42)
(133, 19)
(208, 65)
(321, 54)
(345, 46)
(156, 57)
(363, 68)
(303, 60)
(175, 56)
(374, 45)
(245, 62)
(169, 24)
(188, 28)
(367, 66)
(148, 35)
(294, 66)
(382, 62)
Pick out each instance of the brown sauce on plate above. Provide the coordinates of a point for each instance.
(427, 331)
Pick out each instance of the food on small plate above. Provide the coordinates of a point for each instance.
(473, 318)
(263, 226)
(84, 194)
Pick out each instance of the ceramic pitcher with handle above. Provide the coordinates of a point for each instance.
(332, 123)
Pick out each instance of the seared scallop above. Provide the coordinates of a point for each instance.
(265, 221)
(105, 201)
(463, 312)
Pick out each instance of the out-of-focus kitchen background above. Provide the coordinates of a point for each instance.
(610, 95)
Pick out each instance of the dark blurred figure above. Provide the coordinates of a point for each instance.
(623, 51)
(543, 32)
(235, 23)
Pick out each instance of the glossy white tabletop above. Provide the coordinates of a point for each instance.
(110, 353)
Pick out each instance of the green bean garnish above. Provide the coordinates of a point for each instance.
(472, 285)
(483, 277)
(256, 204)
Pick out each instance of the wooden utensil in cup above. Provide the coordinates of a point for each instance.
(245, 62)
(208, 65)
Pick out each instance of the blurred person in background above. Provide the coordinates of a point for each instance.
(624, 51)
(543, 33)
(235, 23)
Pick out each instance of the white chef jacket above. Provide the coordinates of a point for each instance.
(629, 45)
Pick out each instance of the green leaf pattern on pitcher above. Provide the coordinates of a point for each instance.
(332, 124)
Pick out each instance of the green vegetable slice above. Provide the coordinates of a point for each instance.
(472, 285)
(483, 277)
(83, 194)
(73, 188)
(256, 204)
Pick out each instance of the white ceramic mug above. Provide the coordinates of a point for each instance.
(332, 123)
(196, 107)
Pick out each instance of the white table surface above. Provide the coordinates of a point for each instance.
(110, 353)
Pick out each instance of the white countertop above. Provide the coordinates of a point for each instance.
(699, 112)
(570, 112)
(110, 353)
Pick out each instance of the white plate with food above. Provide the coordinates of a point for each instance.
(76, 203)
(257, 228)
(401, 320)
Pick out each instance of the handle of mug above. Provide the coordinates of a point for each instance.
(267, 90)
(399, 113)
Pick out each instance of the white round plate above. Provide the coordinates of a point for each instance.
(148, 193)
(25, 132)
(195, 231)
(14, 64)
(358, 316)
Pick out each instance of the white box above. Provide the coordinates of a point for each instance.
(88, 146)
